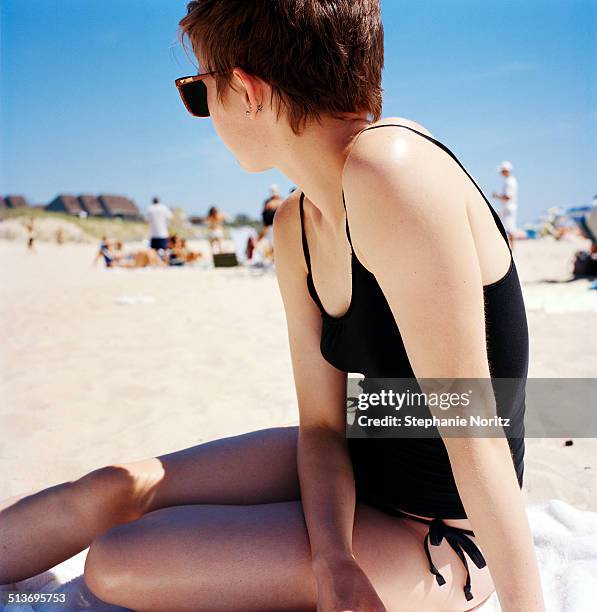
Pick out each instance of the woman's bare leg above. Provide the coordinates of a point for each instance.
(257, 557)
(39, 530)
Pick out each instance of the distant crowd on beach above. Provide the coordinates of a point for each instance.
(166, 248)
(173, 253)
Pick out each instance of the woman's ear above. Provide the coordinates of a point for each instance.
(252, 87)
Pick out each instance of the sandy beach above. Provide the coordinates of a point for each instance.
(87, 380)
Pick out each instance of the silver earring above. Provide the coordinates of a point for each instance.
(248, 111)
(259, 107)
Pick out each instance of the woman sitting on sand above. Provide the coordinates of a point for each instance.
(423, 286)
(178, 254)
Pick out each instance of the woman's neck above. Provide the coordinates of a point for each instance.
(315, 160)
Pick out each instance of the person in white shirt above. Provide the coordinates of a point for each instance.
(159, 216)
(509, 200)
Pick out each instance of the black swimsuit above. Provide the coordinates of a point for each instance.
(416, 475)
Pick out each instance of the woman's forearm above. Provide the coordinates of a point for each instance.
(490, 493)
(327, 492)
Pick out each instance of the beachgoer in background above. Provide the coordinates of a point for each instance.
(141, 259)
(509, 200)
(269, 210)
(250, 248)
(60, 236)
(178, 253)
(159, 215)
(184, 251)
(30, 227)
(115, 256)
(270, 206)
(120, 254)
(107, 252)
(215, 223)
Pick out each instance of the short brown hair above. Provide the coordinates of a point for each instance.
(317, 55)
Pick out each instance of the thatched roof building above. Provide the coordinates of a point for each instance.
(103, 205)
(65, 203)
(15, 201)
(91, 205)
(119, 206)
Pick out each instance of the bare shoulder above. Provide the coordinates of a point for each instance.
(382, 148)
(409, 179)
(409, 123)
(392, 155)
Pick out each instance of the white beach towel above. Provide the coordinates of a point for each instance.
(565, 540)
(566, 544)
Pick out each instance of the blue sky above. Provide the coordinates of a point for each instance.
(88, 102)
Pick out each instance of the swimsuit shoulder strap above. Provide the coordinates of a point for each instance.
(303, 235)
(496, 217)
(346, 216)
(305, 245)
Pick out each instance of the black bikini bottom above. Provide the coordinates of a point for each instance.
(456, 537)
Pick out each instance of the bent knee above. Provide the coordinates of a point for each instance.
(105, 570)
(117, 489)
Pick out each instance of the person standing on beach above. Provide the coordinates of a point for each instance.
(215, 223)
(509, 200)
(30, 227)
(270, 206)
(158, 215)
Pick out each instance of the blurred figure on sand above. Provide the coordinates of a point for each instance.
(115, 257)
(30, 227)
(60, 236)
(159, 215)
(178, 253)
(270, 206)
(215, 228)
(509, 200)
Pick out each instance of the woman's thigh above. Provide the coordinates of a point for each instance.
(251, 468)
(214, 557)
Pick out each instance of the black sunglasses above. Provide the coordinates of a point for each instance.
(193, 92)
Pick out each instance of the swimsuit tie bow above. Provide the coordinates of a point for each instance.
(460, 543)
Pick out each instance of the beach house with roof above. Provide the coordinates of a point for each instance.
(119, 206)
(64, 202)
(91, 205)
(104, 205)
(15, 201)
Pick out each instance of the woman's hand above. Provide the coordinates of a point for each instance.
(342, 586)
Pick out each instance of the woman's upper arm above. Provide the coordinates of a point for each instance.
(320, 387)
(419, 245)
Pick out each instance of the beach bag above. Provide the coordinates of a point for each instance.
(225, 260)
(584, 265)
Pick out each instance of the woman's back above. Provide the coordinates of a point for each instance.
(416, 474)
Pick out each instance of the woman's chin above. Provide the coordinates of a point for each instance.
(252, 165)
